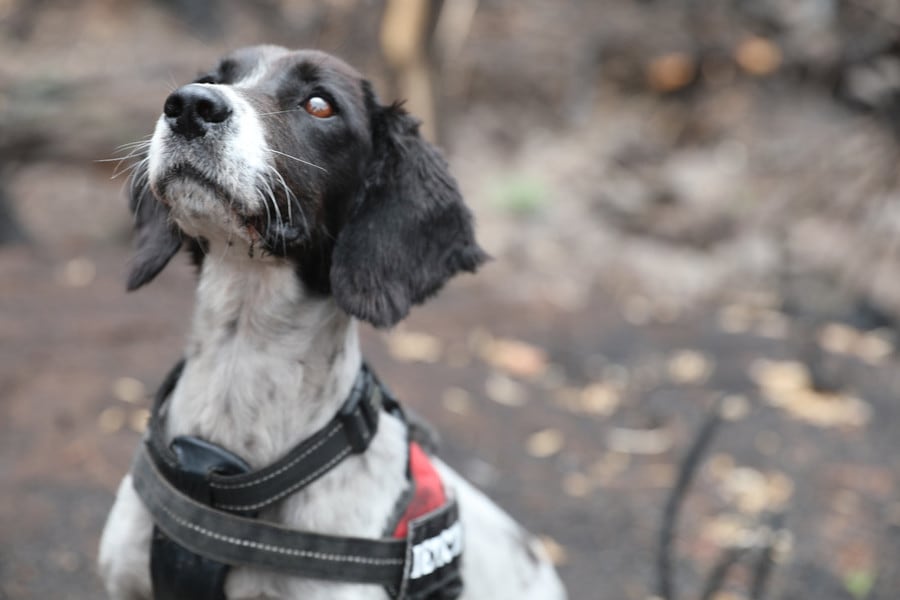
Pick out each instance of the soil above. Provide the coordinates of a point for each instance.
(685, 231)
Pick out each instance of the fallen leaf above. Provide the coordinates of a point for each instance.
(671, 72)
(503, 390)
(129, 389)
(576, 485)
(599, 399)
(78, 272)
(457, 401)
(838, 338)
(719, 465)
(874, 347)
(728, 530)
(111, 419)
(786, 385)
(734, 407)
(689, 367)
(758, 56)
(779, 376)
(545, 443)
(514, 357)
(139, 419)
(639, 441)
(555, 551)
(409, 346)
(753, 491)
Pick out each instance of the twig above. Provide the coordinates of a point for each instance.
(763, 568)
(729, 558)
(665, 583)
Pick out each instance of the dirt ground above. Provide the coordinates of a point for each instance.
(693, 213)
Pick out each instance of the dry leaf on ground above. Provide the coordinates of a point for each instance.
(555, 551)
(410, 346)
(671, 72)
(111, 419)
(457, 401)
(514, 357)
(545, 443)
(503, 390)
(576, 485)
(786, 385)
(689, 366)
(758, 56)
(129, 389)
(639, 441)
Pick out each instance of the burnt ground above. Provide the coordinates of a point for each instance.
(693, 214)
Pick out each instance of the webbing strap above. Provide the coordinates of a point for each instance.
(240, 541)
(349, 432)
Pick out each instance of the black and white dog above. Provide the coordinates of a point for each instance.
(307, 205)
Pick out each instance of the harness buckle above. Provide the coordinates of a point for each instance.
(359, 415)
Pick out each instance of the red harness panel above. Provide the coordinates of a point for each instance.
(429, 494)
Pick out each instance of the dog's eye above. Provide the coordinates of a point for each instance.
(319, 107)
(205, 79)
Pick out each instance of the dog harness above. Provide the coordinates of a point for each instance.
(205, 500)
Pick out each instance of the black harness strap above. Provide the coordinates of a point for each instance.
(238, 540)
(349, 432)
(204, 500)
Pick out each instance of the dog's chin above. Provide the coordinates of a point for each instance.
(202, 210)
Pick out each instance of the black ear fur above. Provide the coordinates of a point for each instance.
(156, 239)
(409, 233)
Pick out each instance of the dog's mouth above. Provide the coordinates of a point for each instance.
(208, 200)
(185, 172)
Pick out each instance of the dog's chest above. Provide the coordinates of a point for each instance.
(266, 368)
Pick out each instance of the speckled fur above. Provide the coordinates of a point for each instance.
(269, 361)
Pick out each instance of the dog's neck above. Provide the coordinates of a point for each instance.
(268, 364)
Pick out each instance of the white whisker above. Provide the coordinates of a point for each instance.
(300, 160)
(280, 112)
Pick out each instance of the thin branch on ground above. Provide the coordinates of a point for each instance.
(692, 460)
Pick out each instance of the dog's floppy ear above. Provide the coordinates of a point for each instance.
(409, 233)
(157, 240)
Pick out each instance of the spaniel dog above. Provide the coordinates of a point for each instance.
(307, 205)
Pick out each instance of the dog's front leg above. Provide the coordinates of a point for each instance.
(125, 547)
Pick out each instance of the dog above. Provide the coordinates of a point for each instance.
(307, 205)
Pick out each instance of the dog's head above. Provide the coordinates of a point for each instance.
(289, 156)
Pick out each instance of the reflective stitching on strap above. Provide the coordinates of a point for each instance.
(280, 549)
(291, 489)
(313, 448)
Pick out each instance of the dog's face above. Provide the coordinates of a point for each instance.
(289, 156)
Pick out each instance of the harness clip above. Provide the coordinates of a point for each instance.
(359, 416)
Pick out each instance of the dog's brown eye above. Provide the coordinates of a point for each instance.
(319, 107)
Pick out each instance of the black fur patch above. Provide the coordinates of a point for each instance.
(410, 233)
(156, 239)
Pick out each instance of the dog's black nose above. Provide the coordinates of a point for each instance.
(192, 109)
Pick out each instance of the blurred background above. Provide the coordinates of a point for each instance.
(680, 369)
